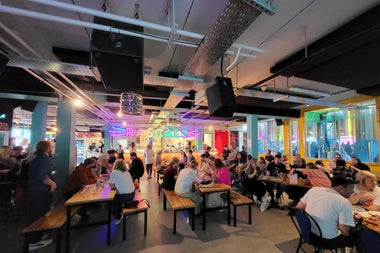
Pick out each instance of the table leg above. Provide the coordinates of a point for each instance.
(109, 224)
(204, 211)
(68, 227)
(228, 207)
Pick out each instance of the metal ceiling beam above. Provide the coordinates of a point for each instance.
(295, 99)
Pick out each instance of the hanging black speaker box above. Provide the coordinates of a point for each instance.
(221, 98)
(119, 58)
(3, 61)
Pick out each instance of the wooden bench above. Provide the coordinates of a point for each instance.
(178, 203)
(55, 219)
(142, 207)
(240, 200)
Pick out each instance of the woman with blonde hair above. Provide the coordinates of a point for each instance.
(7, 175)
(121, 180)
(366, 192)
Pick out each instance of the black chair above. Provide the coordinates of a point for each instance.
(304, 225)
(367, 240)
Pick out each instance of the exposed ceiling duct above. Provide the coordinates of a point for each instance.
(237, 16)
(347, 57)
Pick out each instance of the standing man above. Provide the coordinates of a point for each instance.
(40, 190)
(149, 160)
(137, 167)
(332, 211)
(226, 152)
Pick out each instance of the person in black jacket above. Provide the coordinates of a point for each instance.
(357, 165)
(137, 167)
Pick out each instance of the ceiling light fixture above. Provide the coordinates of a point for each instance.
(131, 103)
(309, 92)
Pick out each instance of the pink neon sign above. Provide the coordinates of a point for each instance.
(153, 132)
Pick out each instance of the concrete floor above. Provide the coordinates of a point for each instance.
(270, 232)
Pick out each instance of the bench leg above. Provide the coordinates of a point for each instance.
(145, 221)
(249, 214)
(192, 219)
(124, 226)
(234, 216)
(68, 227)
(109, 224)
(175, 222)
(228, 206)
(58, 244)
(26, 243)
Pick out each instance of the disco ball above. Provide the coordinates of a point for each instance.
(131, 103)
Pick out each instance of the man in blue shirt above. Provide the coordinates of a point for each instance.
(40, 190)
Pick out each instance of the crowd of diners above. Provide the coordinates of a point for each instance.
(335, 187)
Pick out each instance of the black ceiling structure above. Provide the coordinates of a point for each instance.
(347, 57)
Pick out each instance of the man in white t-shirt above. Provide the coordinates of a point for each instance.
(332, 210)
(184, 185)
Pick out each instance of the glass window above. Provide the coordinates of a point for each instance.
(270, 136)
(349, 132)
(294, 141)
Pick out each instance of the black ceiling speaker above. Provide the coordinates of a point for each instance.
(28, 105)
(119, 57)
(221, 98)
(3, 61)
(279, 122)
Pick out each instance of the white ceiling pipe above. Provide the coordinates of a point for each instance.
(86, 103)
(234, 61)
(18, 39)
(140, 23)
(92, 109)
(115, 17)
(42, 16)
(87, 97)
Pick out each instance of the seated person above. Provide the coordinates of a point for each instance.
(220, 175)
(342, 170)
(366, 192)
(317, 179)
(121, 180)
(170, 174)
(316, 176)
(332, 211)
(321, 166)
(297, 163)
(82, 175)
(333, 164)
(255, 187)
(357, 165)
(276, 168)
(184, 185)
(205, 170)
